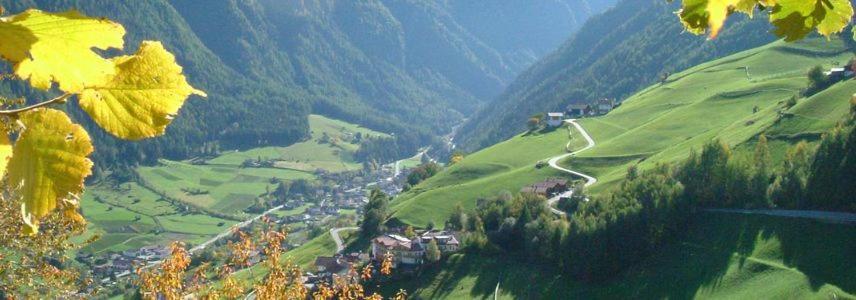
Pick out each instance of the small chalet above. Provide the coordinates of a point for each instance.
(555, 119)
(547, 188)
(578, 110)
(838, 74)
(604, 106)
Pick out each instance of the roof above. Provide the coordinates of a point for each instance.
(330, 264)
(555, 114)
(577, 106)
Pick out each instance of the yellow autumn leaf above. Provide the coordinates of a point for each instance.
(5, 151)
(58, 47)
(143, 96)
(49, 162)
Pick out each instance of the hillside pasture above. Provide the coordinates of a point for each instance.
(717, 100)
(507, 166)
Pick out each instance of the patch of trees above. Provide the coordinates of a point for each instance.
(422, 172)
(376, 214)
(389, 149)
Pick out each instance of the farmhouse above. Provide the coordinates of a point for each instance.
(555, 119)
(403, 250)
(604, 106)
(446, 241)
(578, 110)
(838, 74)
(547, 187)
(330, 265)
(411, 252)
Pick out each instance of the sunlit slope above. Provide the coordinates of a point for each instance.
(506, 166)
(662, 123)
(716, 100)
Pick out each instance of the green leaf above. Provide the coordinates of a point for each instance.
(49, 162)
(58, 47)
(143, 96)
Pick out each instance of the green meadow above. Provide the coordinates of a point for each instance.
(311, 154)
(225, 189)
(714, 100)
(721, 256)
(509, 166)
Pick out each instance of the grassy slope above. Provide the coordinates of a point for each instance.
(715, 100)
(509, 165)
(659, 124)
(310, 155)
(722, 256)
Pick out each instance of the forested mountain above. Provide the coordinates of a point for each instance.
(613, 55)
(409, 67)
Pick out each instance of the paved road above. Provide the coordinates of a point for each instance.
(229, 231)
(829, 216)
(553, 162)
(340, 245)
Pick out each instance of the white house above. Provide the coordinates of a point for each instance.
(555, 119)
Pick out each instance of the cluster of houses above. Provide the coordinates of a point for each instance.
(596, 108)
(547, 188)
(410, 252)
(122, 264)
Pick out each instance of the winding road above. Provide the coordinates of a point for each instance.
(340, 245)
(554, 163)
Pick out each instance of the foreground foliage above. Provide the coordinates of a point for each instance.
(132, 97)
(793, 19)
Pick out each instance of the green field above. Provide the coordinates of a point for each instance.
(715, 100)
(722, 256)
(311, 154)
(227, 189)
(509, 166)
(131, 216)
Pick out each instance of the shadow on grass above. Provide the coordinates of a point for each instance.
(704, 260)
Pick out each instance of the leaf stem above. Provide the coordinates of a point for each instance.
(15, 112)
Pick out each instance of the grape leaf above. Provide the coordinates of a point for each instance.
(57, 47)
(794, 19)
(48, 162)
(699, 16)
(140, 100)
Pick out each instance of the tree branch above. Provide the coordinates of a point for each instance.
(15, 112)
